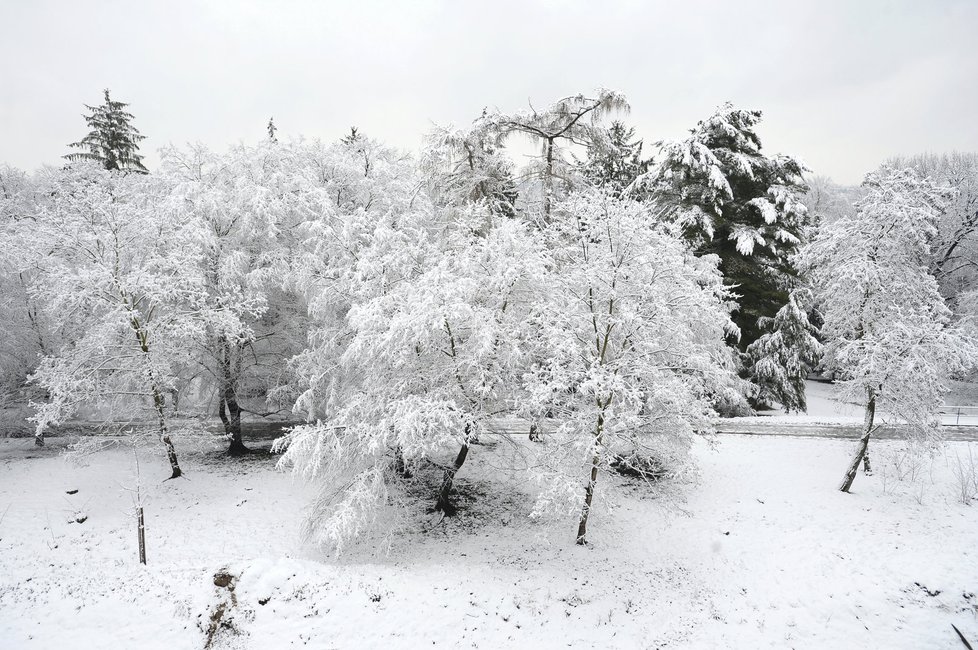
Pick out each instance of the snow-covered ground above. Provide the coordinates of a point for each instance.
(824, 407)
(764, 553)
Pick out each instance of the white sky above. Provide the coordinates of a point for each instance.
(843, 85)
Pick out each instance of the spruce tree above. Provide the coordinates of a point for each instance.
(782, 357)
(739, 204)
(113, 141)
(614, 161)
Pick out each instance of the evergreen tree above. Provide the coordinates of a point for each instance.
(352, 138)
(782, 357)
(113, 140)
(739, 204)
(614, 161)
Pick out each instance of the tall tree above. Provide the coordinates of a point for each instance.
(887, 330)
(954, 251)
(614, 158)
(631, 345)
(113, 141)
(113, 269)
(238, 213)
(734, 201)
(574, 120)
(782, 357)
(27, 334)
(470, 165)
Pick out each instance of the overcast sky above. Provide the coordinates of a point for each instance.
(843, 85)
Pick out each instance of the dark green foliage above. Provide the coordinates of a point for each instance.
(739, 204)
(782, 357)
(614, 161)
(113, 140)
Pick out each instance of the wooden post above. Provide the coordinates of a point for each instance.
(141, 528)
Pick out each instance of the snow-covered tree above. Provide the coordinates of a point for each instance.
(238, 214)
(113, 141)
(631, 347)
(345, 252)
(113, 272)
(954, 251)
(26, 332)
(782, 357)
(571, 121)
(465, 166)
(887, 330)
(614, 158)
(738, 203)
(827, 200)
(433, 348)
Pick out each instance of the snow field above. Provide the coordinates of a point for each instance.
(764, 553)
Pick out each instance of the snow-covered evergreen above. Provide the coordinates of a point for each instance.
(782, 357)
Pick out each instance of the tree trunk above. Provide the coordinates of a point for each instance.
(548, 181)
(592, 481)
(158, 402)
(171, 453)
(230, 410)
(400, 467)
(861, 452)
(444, 502)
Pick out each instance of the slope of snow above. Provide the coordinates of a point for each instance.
(764, 553)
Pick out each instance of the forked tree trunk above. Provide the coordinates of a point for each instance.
(863, 450)
(592, 481)
(444, 503)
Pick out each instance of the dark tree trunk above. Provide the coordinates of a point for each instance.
(592, 481)
(863, 449)
(171, 453)
(444, 503)
(400, 467)
(229, 410)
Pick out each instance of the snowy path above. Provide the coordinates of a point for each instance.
(842, 431)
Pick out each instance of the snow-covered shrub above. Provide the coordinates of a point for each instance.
(965, 471)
